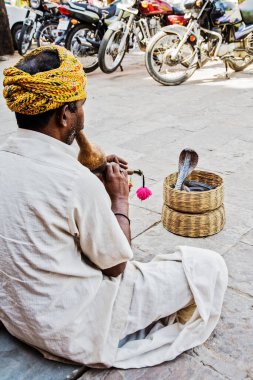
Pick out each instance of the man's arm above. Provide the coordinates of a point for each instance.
(116, 184)
(122, 207)
(115, 271)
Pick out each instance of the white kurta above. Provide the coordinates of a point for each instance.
(56, 230)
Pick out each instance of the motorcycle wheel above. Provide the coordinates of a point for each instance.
(241, 63)
(88, 56)
(25, 39)
(160, 65)
(35, 4)
(108, 56)
(15, 32)
(47, 34)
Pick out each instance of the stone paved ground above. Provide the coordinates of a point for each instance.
(131, 115)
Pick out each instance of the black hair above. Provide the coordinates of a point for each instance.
(44, 61)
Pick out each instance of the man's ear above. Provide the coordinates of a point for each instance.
(63, 116)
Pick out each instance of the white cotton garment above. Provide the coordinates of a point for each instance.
(57, 232)
(165, 285)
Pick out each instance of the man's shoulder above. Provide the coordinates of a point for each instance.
(88, 185)
(84, 177)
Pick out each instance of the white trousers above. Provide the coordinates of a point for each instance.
(162, 287)
(157, 294)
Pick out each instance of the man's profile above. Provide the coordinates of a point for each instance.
(68, 283)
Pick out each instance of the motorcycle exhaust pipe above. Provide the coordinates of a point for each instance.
(83, 41)
(59, 40)
(88, 42)
(243, 31)
(92, 42)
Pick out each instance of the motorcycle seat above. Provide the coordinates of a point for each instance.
(246, 9)
(78, 6)
(110, 11)
(177, 11)
(105, 12)
(52, 5)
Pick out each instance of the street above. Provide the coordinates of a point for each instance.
(131, 115)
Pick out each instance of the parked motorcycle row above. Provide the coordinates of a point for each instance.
(177, 41)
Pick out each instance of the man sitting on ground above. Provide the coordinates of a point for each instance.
(68, 284)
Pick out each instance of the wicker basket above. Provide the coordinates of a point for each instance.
(193, 225)
(194, 202)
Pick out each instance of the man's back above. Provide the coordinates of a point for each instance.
(36, 190)
(45, 279)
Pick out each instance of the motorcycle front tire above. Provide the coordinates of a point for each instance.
(162, 79)
(52, 24)
(69, 38)
(26, 29)
(109, 34)
(36, 4)
(15, 32)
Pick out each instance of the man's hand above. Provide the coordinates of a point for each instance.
(116, 184)
(118, 160)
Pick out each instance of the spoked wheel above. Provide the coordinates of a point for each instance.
(109, 55)
(163, 65)
(25, 39)
(47, 34)
(82, 49)
(16, 30)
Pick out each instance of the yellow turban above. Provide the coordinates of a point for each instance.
(34, 94)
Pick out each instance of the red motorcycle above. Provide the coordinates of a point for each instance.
(138, 21)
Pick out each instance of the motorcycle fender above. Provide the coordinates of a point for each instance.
(117, 25)
(179, 30)
(28, 22)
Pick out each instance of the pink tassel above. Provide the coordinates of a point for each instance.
(143, 193)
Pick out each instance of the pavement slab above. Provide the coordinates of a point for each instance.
(185, 367)
(239, 262)
(129, 114)
(248, 238)
(158, 240)
(21, 362)
(229, 349)
(142, 219)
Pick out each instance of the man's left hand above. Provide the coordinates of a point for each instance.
(113, 158)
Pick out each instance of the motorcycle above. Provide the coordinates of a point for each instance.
(47, 33)
(138, 21)
(216, 29)
(40, 24)
(82, 28)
